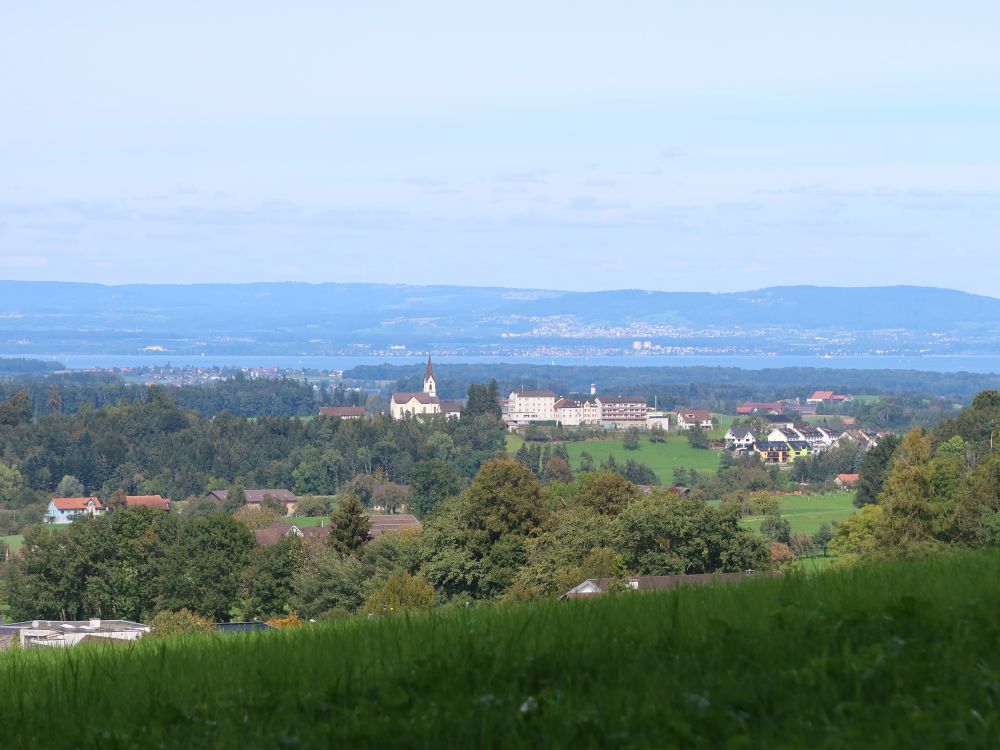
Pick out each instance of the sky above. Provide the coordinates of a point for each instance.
(681, 146)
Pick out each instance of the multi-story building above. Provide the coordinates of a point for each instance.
(622, 412)
(523, 407)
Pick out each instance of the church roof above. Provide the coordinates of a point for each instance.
(429, 371)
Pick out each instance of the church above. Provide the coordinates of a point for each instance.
(405, 403)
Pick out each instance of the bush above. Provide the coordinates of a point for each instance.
(404, 593)
(314, 507)
(256, 517)
(167, 624)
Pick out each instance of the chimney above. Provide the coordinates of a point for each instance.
(593, 389)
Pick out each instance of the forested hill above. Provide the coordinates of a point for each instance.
(295, 318)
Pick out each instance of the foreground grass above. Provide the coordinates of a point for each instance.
(895, 655)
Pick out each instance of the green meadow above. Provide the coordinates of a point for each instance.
(662, 458)
(807, 512)
(897, 654)
(13, 542)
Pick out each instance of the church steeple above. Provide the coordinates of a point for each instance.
(430, 384)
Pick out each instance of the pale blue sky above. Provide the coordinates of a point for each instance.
(574, 145)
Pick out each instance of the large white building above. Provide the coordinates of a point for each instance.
(67, 509)
(523, 407)
(405, 403)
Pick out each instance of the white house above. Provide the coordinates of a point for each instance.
(688, 419)
(67, 509)
(740, 437)
(66, 633)
(622, 412)
(405, 403)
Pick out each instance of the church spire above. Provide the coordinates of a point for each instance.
(430, 382)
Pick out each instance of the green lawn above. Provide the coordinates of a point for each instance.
(14, 542)
(807, 512)
(307, 522)
(899, 654)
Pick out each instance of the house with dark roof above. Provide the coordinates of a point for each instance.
(740, 437)
(256, 497)
(342, 412)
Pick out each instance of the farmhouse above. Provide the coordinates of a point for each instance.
(688, 419)
(257, 497)
(755, 407)
(822, 397)
(846, 481)
(342, 412)
(426, 403)
(148, 501)
(64, 510)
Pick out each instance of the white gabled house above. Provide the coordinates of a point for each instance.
(63, 510)
(740, 437)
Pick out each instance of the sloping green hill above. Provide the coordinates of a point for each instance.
(895, 655)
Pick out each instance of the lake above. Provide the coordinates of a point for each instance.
(943, 363)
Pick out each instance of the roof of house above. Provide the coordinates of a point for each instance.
(655, 583)
(148, 501)
(740, 431)
(318, 533)
(75, 503)
(70, 626)
(751, 406)
(534, 394)
(405, 397)
(799, 445)
(848, 478)
(386, 524)
(451, 407)
(569, 403)
(808, 430)
(822, 395)
(771, 445)
(257, 496)
(342, 411)
(272, 534)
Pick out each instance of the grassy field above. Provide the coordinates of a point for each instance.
(14, 542)
(662, 458)
(806, 512)
(901, 654)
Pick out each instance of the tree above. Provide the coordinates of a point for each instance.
(557, 470)
(16, 410)
(630, 441)
(606, 492)
(349, 525)
(267, 580)
(781, 553)
(822, 537)
(907, 523)
(203, 570)
(312, 507)
(236, 498)
(663, 534)
(12, 484)
(400, 593)
(70, 486)
(329, 586)
(586, 461)
(431, 482)
(505, 498)
(776, 529)
(638, 473)
(168, 624)
(802, 545)
(483, 399)
(256, 517)
(855, 535)
(657, 434)
(697, 438)
(874, 468)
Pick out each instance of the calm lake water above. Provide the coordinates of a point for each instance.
(971, 363)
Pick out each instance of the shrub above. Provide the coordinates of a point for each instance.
(167, 624)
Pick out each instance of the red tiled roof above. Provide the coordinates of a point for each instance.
(148, 501)
(848, 478)
(822, 395)
(75, 503)
(451, 407)
(272, 534)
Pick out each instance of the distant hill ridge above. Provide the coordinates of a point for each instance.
(285, 312)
